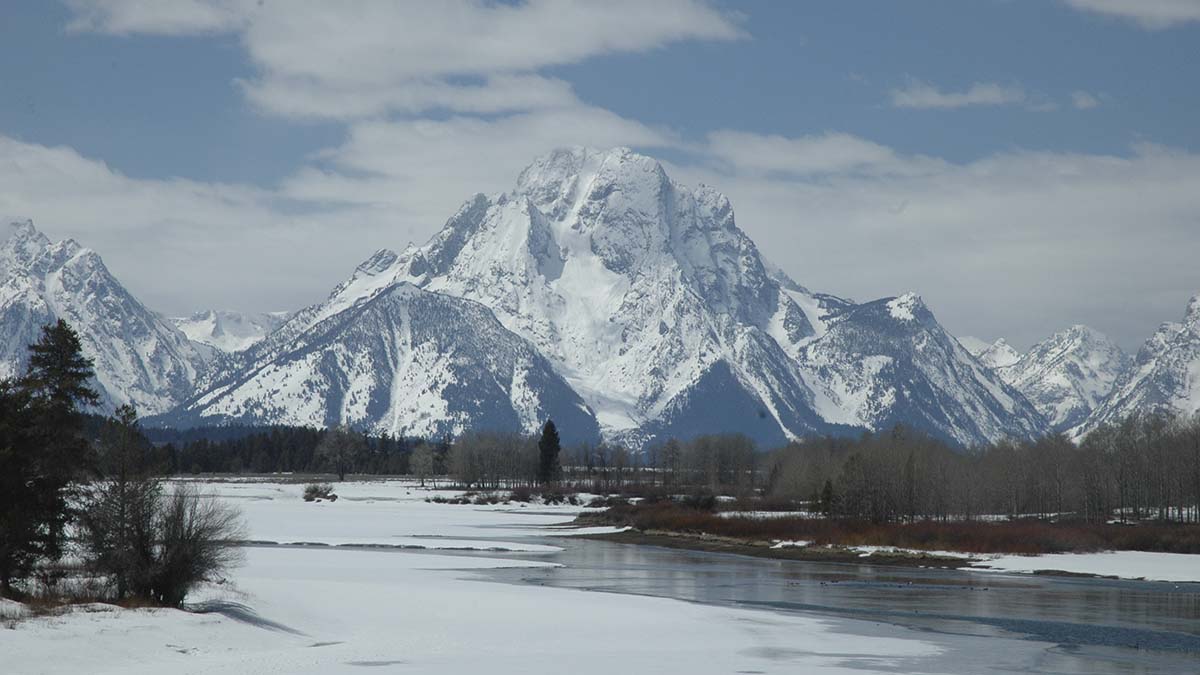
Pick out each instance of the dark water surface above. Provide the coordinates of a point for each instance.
(986, 622)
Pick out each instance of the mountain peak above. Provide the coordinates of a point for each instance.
(571, 160)
(999, 354)
(1192, 316)
(378, 262)
(907, 307)
(1065, 376)
(19, 228)
(562, 180)
(20, 241)
(229, 331)
(138, 356)
(1085, 335)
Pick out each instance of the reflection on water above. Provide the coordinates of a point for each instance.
(989, 622)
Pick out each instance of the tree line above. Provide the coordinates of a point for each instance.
(1146, 467)
(286, 449)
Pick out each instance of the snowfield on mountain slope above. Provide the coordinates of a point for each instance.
(404, 361)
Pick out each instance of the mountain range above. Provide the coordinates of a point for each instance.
(140, 357)
(229, 331)
(603, 294)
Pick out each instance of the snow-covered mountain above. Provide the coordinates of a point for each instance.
(647, 301)
(890, 362)
(1065, 376)
(598, 292)
(998, 354)
(229, 331)
(402, 361)
(645, 295)
(139, 356)
(1163, 379)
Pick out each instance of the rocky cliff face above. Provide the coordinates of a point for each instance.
(139, 357)
(1164, 377)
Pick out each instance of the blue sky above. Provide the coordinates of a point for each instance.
(1024, 165)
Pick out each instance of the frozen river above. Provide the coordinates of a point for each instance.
(982, 621)
(383, 579)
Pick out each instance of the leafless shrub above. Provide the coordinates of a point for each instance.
(315, 491)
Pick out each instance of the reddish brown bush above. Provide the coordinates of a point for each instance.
(1022, 536)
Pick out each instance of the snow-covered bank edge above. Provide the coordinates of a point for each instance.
(1130, 565)
(1125, 565)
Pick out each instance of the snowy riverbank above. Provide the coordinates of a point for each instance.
(331, 609)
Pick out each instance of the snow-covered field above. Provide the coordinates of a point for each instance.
(1121, 564)
(391, 513)
(1143, 565)
(328, 609)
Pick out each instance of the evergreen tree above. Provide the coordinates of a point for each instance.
(25, 524)
(57, 381)
(42, 450)
(548, 451)
(58, 373)
(826, 500)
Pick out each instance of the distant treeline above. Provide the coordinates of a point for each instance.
(1145, 467)
(275, 449)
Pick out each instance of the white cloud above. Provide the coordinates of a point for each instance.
(500, 93)
(1150, 14)
(1016, 244)
(924, 95)
(422, 170)
(347, 60)
(1083, 100)
(379, 66)
(823, 154)
(181, 245)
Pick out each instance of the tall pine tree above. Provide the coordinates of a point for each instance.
(42, 450)
(548, 450)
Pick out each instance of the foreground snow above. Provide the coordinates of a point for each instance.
(330, 611)
(295, 609)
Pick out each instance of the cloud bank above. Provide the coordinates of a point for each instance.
(442, 100)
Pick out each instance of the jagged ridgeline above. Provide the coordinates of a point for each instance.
(602, 293)
(598, 292)
(139, 356)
